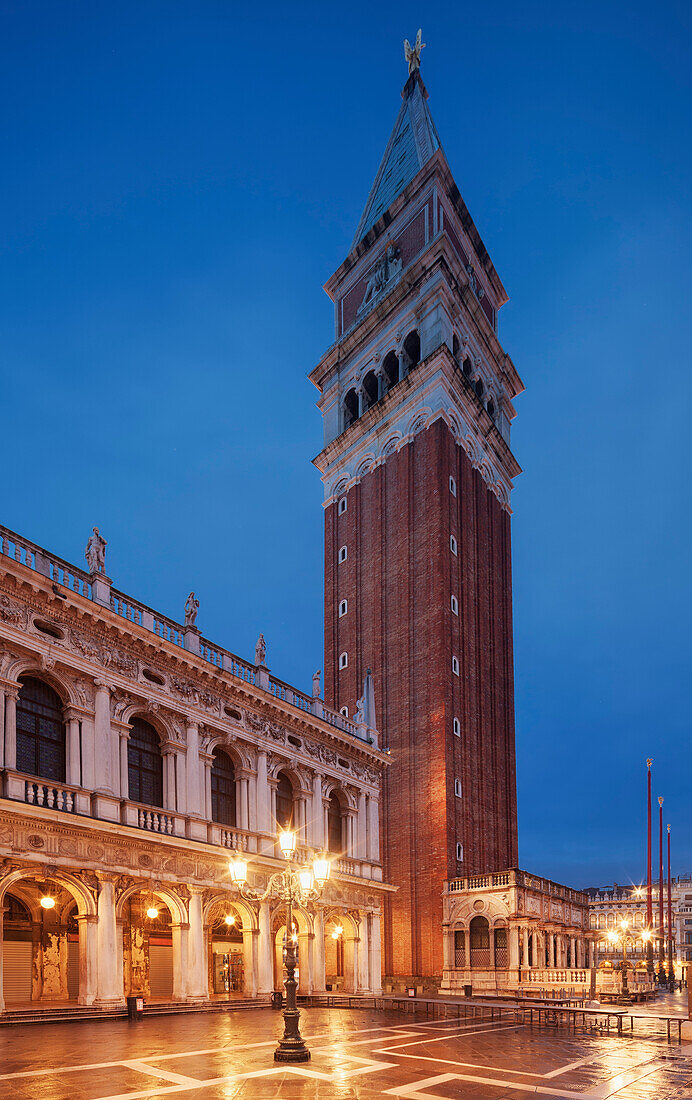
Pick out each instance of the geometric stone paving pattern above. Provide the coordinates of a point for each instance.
(355, 1054)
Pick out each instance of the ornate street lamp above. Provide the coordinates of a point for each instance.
(615, 937)
(289, 885)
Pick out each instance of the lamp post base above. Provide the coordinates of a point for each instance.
(291, 1046)
(291, 1052)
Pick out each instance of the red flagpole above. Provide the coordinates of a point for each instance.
(661, 942)
(671, 974)
(649, 897)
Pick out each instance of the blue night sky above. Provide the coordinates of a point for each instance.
(178, 182)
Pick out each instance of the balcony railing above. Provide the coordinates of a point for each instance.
(514, 877)
(168, 823)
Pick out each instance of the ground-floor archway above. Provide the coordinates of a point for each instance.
(43, 931)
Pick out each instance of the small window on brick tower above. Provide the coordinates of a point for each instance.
(343, 554)
(343, 660)
(344, 711)
(455, 605)
(457, 727)
(452, 544)
(343, 505)
(452, 486)
(457, 788)
(460, 852)
(455, 665)
(343, 607)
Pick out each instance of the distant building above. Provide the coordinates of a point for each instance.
(610, 905)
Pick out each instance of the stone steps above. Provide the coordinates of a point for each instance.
(155, 1008)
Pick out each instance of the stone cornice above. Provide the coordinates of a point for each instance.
(75, 613)
(38, 836)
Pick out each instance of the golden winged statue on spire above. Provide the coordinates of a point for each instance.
(412, 53)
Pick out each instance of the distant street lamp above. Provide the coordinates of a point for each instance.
(622, 937)
(289, 886)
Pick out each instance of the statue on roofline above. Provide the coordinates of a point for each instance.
(95, 552)
(191, 609)
(260, 651)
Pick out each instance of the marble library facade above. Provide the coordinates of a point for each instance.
(136, 760)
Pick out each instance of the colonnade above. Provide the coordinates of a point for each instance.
(97, 783)
(102, 921)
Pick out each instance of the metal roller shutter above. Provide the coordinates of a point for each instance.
(16, 971)
(161, 970)
(73, 969)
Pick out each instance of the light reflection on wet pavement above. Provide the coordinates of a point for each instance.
(357, 1053)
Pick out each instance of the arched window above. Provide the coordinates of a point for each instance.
(145, 764)
(350, 408)
(334, 823)
(455, 345)
(284, 802)
(491, 408)
(390, 368)
(501, 953)
(412, 349)
(369, 390)
(40, 731)
(479, 936)
(223, 788)
(467, 367)
(480, 388)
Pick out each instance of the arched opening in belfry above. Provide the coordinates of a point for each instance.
(350, 408)
(412, 350)
(390, 370)
(370, 393)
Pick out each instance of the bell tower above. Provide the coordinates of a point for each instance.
(416, 400)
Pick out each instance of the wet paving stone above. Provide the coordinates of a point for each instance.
(355, 1054)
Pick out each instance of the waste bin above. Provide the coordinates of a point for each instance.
(135, 1007)
(277, 999)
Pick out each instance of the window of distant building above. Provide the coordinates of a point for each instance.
(343, 660)
(343, 554)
